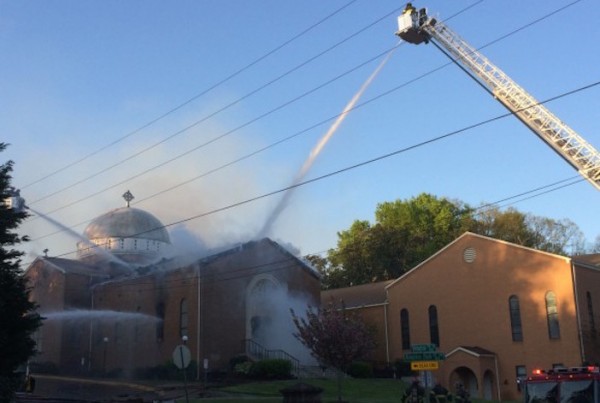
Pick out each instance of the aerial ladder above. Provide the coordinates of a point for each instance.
(416, 26)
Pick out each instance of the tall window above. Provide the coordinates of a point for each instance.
(590, 307)
(405, 329)
(515, 318)
(434, 331)
(552, 314)
(183, 318)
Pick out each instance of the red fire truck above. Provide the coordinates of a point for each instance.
(563, 385)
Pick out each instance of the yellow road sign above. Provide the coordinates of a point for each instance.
(424, 365)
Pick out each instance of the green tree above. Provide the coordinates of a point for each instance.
(18, 319)
(405, 233)
(335, 336)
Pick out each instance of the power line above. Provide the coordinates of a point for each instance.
(195, 97)
(324, 122)
(227, 133)
(287, 263)
(221, 109)
(361, 164)
(284, 105)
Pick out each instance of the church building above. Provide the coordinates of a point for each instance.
(126, 303)
(494, 310)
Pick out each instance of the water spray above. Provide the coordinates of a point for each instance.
(17, 203)
(318, 148)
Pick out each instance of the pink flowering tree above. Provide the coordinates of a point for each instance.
(335, 336)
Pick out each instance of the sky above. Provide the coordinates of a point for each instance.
(207, 110)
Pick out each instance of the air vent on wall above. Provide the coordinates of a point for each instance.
(469, 255)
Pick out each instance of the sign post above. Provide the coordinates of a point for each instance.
(425, 358)
(181, 358)
(205, 371)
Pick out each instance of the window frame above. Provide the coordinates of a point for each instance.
(516, 324)
(434, 327)
(552, 316)
(183, 317)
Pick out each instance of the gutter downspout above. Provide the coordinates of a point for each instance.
(578, 311)
(497, 378)
(385, 326)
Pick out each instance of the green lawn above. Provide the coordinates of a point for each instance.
(353, 391)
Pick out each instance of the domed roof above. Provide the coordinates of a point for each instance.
(127, 222)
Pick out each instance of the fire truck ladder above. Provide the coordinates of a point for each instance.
(417, 27)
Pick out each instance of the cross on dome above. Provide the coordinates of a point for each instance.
(128, 197)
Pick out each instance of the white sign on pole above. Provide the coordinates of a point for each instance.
(182, 356)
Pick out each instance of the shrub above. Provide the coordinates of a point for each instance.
(271, 369)
(238, 359)
(360, 369)
(243, 368)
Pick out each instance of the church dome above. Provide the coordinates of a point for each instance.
(129, 234)
(127, 222)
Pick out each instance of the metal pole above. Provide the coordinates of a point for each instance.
(187, 400)
(104, 360)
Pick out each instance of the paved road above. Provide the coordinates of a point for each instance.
(50, 389)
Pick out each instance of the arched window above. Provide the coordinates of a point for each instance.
(515, 318)
(183, 318)
(434, 330)
(552, 314)
(405, 329)
(590, 307)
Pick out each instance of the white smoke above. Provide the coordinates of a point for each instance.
(277, 328)
(176, 192)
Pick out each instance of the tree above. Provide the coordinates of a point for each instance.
(509, 225)
(557, 236)
(596, 245)
(335, 336)
(405, 233)
(18, 319)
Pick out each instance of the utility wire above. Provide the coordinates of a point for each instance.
(229, 132)
(264, 267)
(203, 92)
(360, 164)
(266, 114)
(304, 130)
(267, 267)
(222, 109)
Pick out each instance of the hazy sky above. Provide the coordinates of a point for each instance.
(93, 102)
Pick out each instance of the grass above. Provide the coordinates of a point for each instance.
(353, 391)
